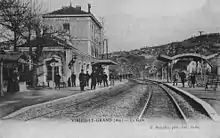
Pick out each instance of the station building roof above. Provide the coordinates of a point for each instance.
(70, 11)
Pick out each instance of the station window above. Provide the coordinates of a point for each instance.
(66, 26)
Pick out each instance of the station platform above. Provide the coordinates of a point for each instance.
(210, 96)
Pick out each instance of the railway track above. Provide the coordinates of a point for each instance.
(155, 102)
(161, 102)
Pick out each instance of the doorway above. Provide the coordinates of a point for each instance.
(49, 71)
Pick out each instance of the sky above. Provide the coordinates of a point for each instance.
(132, 24)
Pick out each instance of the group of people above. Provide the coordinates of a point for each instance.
(183, 78)
(96, 78)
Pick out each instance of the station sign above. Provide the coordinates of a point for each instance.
(54, 64)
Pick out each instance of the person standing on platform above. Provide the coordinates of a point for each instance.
(13, 83)
(183, 77)
(105, 80)
(99, 79)
(57, 81)
(69, 82)
(193, 79)
(87, 78)
(73, 79)
(82, 80)
(93, 80)
(112, 79)
(10, 84)
(175, 79)
(120, 77)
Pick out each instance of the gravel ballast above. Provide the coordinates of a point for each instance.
(120, 106)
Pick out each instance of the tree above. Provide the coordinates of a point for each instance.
(22, 18)
(12, 18)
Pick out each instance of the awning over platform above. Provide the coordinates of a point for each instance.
(164, 58)
(104, 62)
(188, 56)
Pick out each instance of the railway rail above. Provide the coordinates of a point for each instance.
(158, 101)
(165, 93)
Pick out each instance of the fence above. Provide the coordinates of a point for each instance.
(208, 80)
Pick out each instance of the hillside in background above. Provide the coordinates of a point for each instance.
(206, 44)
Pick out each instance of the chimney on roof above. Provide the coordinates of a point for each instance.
(89, 8)
(78, 8)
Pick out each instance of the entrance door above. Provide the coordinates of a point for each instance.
(49, 71)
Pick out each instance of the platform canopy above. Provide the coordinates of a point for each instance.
(164, 58)
(186, 56)
(103, 62)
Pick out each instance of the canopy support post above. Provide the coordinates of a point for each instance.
(1, 78)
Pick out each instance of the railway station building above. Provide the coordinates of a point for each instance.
(78, 50)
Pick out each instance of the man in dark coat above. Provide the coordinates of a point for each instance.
(82, 80)
(73, 79)
(57, 80)
(120, 77)
(13, 83)
(193, 79)
(112, 79)
(105, 80)
(182, 77)
(87, 78)
(99, 79)
(93, 80)
(69, 82)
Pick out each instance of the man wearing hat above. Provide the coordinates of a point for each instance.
(82, 80)
(57, 80)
